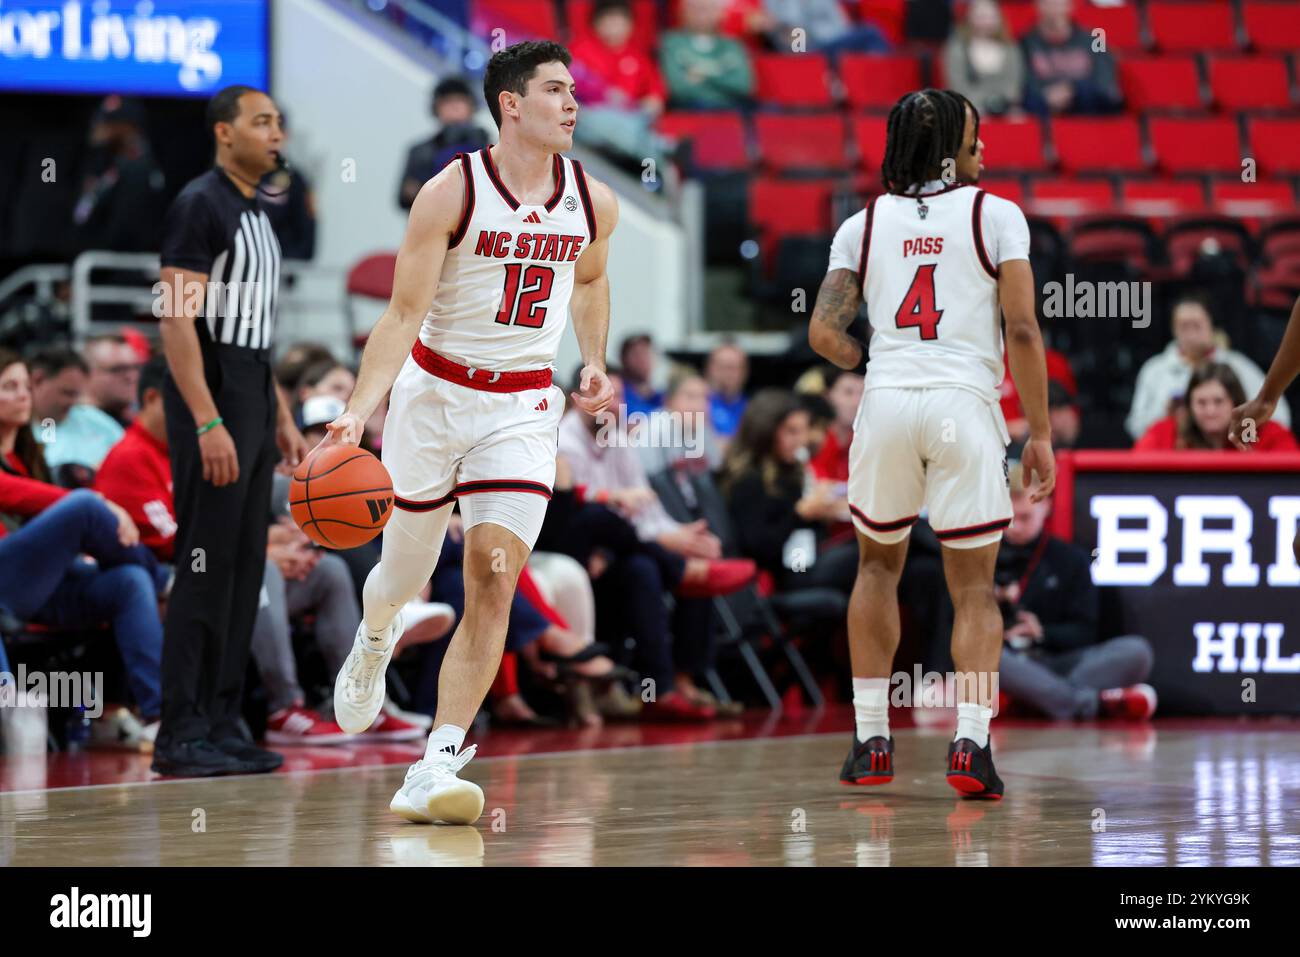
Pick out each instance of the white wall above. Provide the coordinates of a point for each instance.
(354, 99)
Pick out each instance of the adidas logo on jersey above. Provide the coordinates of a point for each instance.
(532, 217)
(540, 406)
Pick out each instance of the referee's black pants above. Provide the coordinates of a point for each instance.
(220, 550)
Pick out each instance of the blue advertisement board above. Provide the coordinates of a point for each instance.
(142, 47)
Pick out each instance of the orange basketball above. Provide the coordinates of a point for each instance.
(341, 496)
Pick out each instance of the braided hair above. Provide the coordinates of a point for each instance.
(924, 128)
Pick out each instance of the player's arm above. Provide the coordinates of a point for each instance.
(589, 305)
(1028, 369)
(838, 301)
(434, 217)
(1283, 371)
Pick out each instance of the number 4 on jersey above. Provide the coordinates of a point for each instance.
(918, 305)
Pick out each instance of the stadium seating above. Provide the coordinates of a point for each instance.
(1013, 144)
(1160, 83)
(1275, 143)
(1191, 27)
(1184, 145)
(874, 81)
(1272, 25)
(717, 139)
(519, 19)
(793, 81)
(1250, 83)
(800, 142)
(1093, 144)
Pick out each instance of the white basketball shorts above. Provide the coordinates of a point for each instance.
(944, 449)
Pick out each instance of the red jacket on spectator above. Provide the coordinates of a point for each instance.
(1163, 437)
(23, 495)
(1058, 370)
(628, 68)
(137, 475)
(831, 463)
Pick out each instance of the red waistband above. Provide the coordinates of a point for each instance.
(444, 368)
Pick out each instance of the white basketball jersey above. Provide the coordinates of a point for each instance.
(503, 296)
(931, 291)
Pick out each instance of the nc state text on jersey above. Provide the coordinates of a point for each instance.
(541, 247)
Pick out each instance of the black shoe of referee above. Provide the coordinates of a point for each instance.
(252, 759)
(194, 759)
(869, 762)
(970, 770)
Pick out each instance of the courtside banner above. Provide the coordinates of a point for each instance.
(1193, 550)
(156, 47)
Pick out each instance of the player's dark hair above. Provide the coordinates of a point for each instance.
(1193, 298)
(224, 105)
(152, 374)
(1190, 435)
(311, 375)
(296, 359)
(924, 128)
(27, 450)
(513, 67)
(819, 410)
(751, 448)
(635, 339)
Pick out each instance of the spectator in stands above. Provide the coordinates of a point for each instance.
(680, 434)
(45, 531)
(826, 28)
(1052, 660)
(454, 106)
(622, 91)
(704, 69)
(637, 358)
(290, 204)
(1212, 393)
(114, 376)
(1065, 73)
(123, 194)
(327, 377)
(831, 463)
(1062, 396)
(297, 358)
(983, 62)
(71, 430)
(777, 513)
(746, 20)
(1162, 380)
(726, 370)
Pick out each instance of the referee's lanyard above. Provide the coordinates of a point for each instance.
(1034, 559)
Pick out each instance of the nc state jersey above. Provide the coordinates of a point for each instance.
(928, 267)
(503, 296)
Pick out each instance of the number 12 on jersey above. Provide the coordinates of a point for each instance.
(527, 287)
(918, 307)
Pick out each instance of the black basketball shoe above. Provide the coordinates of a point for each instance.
(970, 770)
(869, 762)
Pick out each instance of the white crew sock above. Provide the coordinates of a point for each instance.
(871, 707)
(973, 722)
(445, 738)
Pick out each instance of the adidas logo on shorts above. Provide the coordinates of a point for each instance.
(540, 406)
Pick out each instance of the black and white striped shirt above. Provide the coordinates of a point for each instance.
(213, 228)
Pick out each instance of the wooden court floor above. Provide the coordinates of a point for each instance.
(1076, 795)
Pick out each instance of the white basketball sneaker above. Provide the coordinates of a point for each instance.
(432, 794)
(359, 687)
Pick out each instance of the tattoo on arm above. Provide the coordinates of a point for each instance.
(837, 306)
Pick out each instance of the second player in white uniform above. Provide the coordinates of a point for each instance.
(502, 246)
(939, 263)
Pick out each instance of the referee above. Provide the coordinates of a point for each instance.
(225, 415)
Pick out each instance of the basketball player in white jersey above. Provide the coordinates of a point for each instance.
(500, 246)
(935, 259)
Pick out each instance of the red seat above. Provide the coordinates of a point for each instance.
(1113, 239)
(645, 14)
(800, 142)
(1192, 27)
(872, 80)
(1160, 82)
(1163, 197)
(1007, 187)
(1272, 25)
(1071, 197)
(1013, 144)
(793, 79)
(1112, 143)
(718, 138)
(1248, 83)
(1275, 144)
(520, 19)
(371, 277)
(1252, 200)
(869, 135)
(1121, 27)
(783, 207)
(1184, 145)
(887, 15)
(1184, 241)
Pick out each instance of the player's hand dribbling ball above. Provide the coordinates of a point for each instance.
(341, 496)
